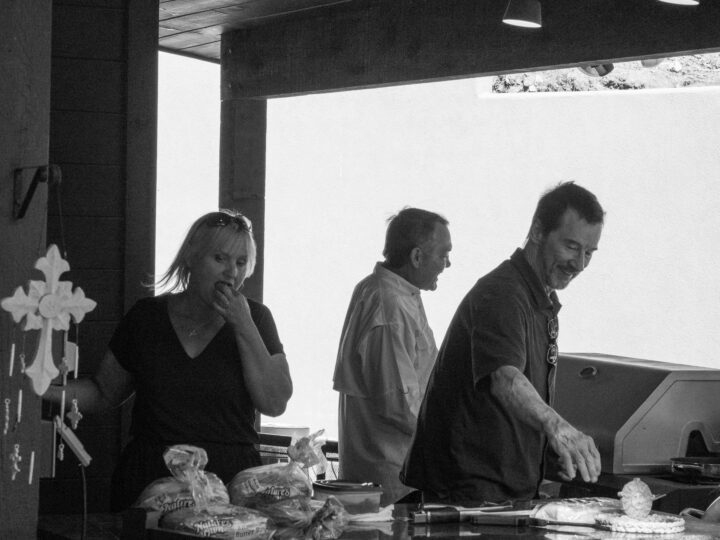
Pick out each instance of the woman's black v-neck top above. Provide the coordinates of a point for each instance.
(183, 400)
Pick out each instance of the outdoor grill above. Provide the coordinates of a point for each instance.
(641, 413)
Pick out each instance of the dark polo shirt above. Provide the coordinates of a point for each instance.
(468, 447)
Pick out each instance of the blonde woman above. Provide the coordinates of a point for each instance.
(200, 359)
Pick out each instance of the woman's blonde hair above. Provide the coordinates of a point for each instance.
(208, 233)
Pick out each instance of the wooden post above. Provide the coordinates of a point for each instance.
(25, 40)
(243, 124)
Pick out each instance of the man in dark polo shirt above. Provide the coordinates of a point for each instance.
(487, 417)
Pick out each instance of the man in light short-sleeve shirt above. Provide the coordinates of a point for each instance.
(387, 351)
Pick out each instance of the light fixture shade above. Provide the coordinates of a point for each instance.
(682, 2)
(596, 70)
(651, 62)
(525, 13)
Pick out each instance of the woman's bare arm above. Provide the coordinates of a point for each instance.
(107, 388)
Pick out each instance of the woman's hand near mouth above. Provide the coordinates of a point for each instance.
(232, 305)
(267, 376)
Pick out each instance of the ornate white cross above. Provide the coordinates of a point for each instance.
(47, 306)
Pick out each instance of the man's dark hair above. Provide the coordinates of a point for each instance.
(553, 204)
(407, 230)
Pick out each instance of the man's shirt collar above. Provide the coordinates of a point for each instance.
(397, 281)
(537, 289)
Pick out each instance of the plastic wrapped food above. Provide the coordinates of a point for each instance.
(218, 521)
(580, 510)
(168, 494)
(189, 486)
(281, 490)
(636, 499)
(636, 515)
(329, 520)
(307, 452)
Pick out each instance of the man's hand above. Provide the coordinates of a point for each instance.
(577, 452)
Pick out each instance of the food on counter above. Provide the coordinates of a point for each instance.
(189, 485)
(650, 524)
(281, 490)
(580, 511)
(218, 521)
(636, 515)
(612, 514)
(329, 520)
(261, 502)
(636, 499)
(168, 494)
(356, 497)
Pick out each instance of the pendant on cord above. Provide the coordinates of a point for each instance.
(15, 458)
(74, 415)
(6, 420)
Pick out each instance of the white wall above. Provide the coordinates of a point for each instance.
(339, 164)
(188, 149)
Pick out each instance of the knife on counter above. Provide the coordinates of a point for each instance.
(524, 521)
(456, 514)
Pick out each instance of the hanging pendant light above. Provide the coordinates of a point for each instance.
(525, 13)
(651, 62)
(596, 70)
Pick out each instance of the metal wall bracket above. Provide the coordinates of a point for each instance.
(49, 174)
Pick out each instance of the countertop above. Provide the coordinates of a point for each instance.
(130, 526)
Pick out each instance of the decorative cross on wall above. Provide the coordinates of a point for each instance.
(47, 306)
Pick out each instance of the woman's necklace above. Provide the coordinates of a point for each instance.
(195, 328)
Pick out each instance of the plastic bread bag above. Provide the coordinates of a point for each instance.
(168, 494)
(329, 520)
(220, 520)
(307, 451)
(189, 486)
(281, 490)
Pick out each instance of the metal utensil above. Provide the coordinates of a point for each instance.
(525, 521)
(456, 514)
(706, 467)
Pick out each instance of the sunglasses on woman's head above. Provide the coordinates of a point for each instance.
(221, 219)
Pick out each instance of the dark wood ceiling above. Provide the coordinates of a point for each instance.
(193, 27)
(284, 47)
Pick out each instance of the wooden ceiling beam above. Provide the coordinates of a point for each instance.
(368, 43)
